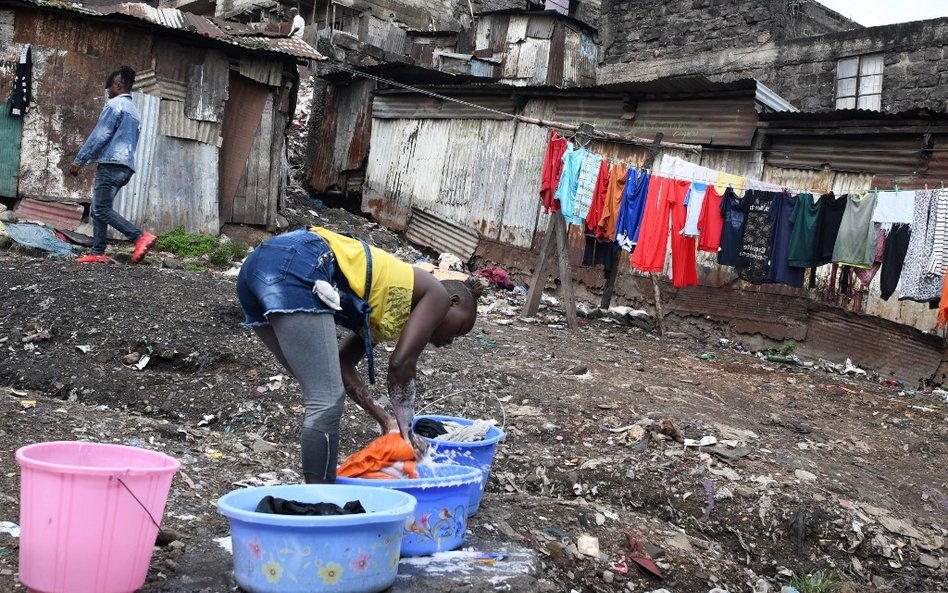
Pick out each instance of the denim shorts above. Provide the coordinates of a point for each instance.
(278, 277)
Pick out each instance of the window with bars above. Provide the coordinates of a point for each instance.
(859, 82)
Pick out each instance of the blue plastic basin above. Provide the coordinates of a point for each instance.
(479, 454)
(440, 520)
(291, 554)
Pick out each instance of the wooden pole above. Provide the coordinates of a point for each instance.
(566, 277)
(659, 315)
(614, 273)
(539, 275)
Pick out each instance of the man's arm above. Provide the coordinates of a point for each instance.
(101, 135)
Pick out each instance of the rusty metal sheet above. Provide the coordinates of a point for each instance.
(147, 81)
(778, 317)
(388, 105)
(441, 235)
(606, 114)
(511, 62)
(60, 215)
(518, 221)
(516, 30)
(482, 38)
(532, 53)
(540, 26)
(907, 353)
(245, 36)
(173, 122)
(910, 313)
(242, 115)
(715, 122)
(183, 187)
(266, 71)
(573, 62)
(207, 88)
(474, 175)
(554, 69)
(818, 181)
(742, 163)
(588, 60)
(399, 167)
(892, 154)
(257, 195)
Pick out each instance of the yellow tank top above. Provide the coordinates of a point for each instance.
(392, 282)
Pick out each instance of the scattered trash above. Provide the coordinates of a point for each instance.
(489, 558)
(39, 237)
(26, 404)
(588, 545)
(450, 262)
(85, 348)
(705, 441)
(11, 528)
(484, 341)
(496, 276)
(707, 356)
(640, 556)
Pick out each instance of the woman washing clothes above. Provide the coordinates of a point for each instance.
(296, 287)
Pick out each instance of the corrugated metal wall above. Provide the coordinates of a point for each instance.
(132, 200)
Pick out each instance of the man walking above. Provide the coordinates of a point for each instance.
(112, 145)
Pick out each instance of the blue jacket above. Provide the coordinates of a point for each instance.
(115, 137)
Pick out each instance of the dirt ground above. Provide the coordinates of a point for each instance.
(812, 469)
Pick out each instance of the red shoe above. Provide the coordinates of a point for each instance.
(142, 246)
(92, 259)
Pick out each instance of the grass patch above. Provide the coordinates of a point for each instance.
(785, 349)
(225, 253)
(184, 244)
(195, 268)
(190, 245)
(819, 582)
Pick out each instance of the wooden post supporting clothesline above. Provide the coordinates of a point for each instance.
(556, 238)
(614, 271)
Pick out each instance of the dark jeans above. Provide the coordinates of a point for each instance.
(109, 179)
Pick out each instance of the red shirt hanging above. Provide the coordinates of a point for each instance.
(599, 198)
(552, 169)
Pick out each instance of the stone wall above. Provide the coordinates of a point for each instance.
(635, 30)
(802, 70)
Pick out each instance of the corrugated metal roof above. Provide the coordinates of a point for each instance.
(399, 106)
(234, 34)
(59, 214)
(711, 122)
(442, 235)
(887, 154)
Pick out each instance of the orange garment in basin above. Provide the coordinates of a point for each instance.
(384, 452)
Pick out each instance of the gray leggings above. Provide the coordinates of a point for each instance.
(305, 343)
